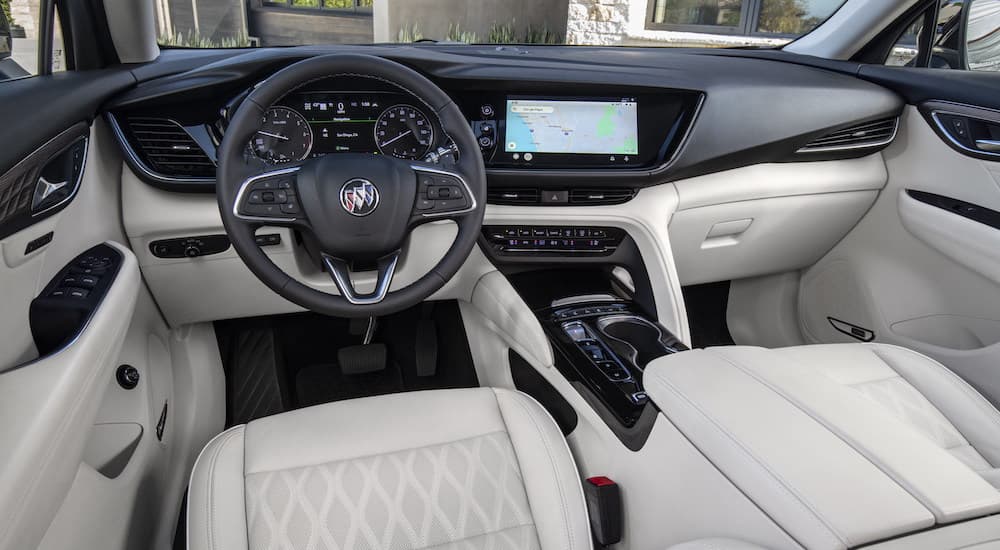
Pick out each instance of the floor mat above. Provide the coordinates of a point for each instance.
(254, 385)
(323, 383)
(280, 363)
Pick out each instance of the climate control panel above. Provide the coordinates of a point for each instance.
(553, 240)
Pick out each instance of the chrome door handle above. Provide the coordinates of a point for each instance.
(991, 145)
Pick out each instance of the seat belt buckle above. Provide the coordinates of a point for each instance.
(604, 507)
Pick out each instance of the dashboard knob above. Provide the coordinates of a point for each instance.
(486, 142)
(192, 251)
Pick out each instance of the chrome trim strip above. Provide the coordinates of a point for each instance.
(79, 178)
(988, 145)
(346, 287)
(137, 162)
(246, 184)
(872, 145)
(944, 130)
(468, 190)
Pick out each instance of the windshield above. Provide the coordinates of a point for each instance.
(669, 23)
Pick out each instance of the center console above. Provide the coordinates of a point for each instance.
(607, 342)
(602, 335)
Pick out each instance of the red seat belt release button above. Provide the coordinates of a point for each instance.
(604, 506)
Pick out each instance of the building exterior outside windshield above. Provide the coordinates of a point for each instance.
(650, 23)
(240, 23)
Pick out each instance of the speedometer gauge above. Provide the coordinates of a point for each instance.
(284, 136)
(404, 132)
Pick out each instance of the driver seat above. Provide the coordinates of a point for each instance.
(444, 469)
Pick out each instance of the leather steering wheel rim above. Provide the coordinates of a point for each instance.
(235, 170)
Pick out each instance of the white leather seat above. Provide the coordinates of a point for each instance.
(448, 469)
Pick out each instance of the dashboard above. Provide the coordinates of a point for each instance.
(560, 118)
(513, 130)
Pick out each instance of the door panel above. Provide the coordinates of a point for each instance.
(924, 276)
(64, 415)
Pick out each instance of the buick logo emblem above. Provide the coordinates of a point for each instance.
(359, 197)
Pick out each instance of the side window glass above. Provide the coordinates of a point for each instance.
(982, 36)
(20, 23)
(965, 36)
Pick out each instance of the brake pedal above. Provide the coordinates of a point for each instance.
(362, 359)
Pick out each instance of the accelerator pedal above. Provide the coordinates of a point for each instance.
(426, 352)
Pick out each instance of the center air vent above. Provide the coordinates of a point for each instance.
(167, 149)
(513, 196)
(571, 197)
(872, 135)
(600, 196)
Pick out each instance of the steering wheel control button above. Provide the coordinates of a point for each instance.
(440, 193)
(270, 197)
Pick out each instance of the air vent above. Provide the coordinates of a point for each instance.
(862, 136)
(167, 149)
(600, 196)
(513, 196)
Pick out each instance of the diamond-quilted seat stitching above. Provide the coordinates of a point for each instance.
(400, 501)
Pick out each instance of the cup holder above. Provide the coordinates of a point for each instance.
(635, 338)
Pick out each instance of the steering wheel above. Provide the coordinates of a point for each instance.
(358, 209)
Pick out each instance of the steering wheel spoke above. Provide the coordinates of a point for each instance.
(340, 270)
(270, 198)
(441, 194)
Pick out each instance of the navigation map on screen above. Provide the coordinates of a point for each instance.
(575, 127)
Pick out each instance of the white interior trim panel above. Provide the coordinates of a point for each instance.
(769, 218)
(916, 275)
(52, 404)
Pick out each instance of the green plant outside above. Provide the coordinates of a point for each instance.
(5, 6)
(194, 40)
(499, 33)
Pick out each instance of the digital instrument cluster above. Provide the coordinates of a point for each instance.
(311, 124)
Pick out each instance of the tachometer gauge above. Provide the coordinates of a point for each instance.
(404, 132)
(284, 136)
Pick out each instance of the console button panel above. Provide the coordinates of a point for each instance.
(553, 240)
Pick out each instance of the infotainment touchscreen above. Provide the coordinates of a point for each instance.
(572, 127)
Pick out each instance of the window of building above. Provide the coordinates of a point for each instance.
(788, 18)
(351, 5)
